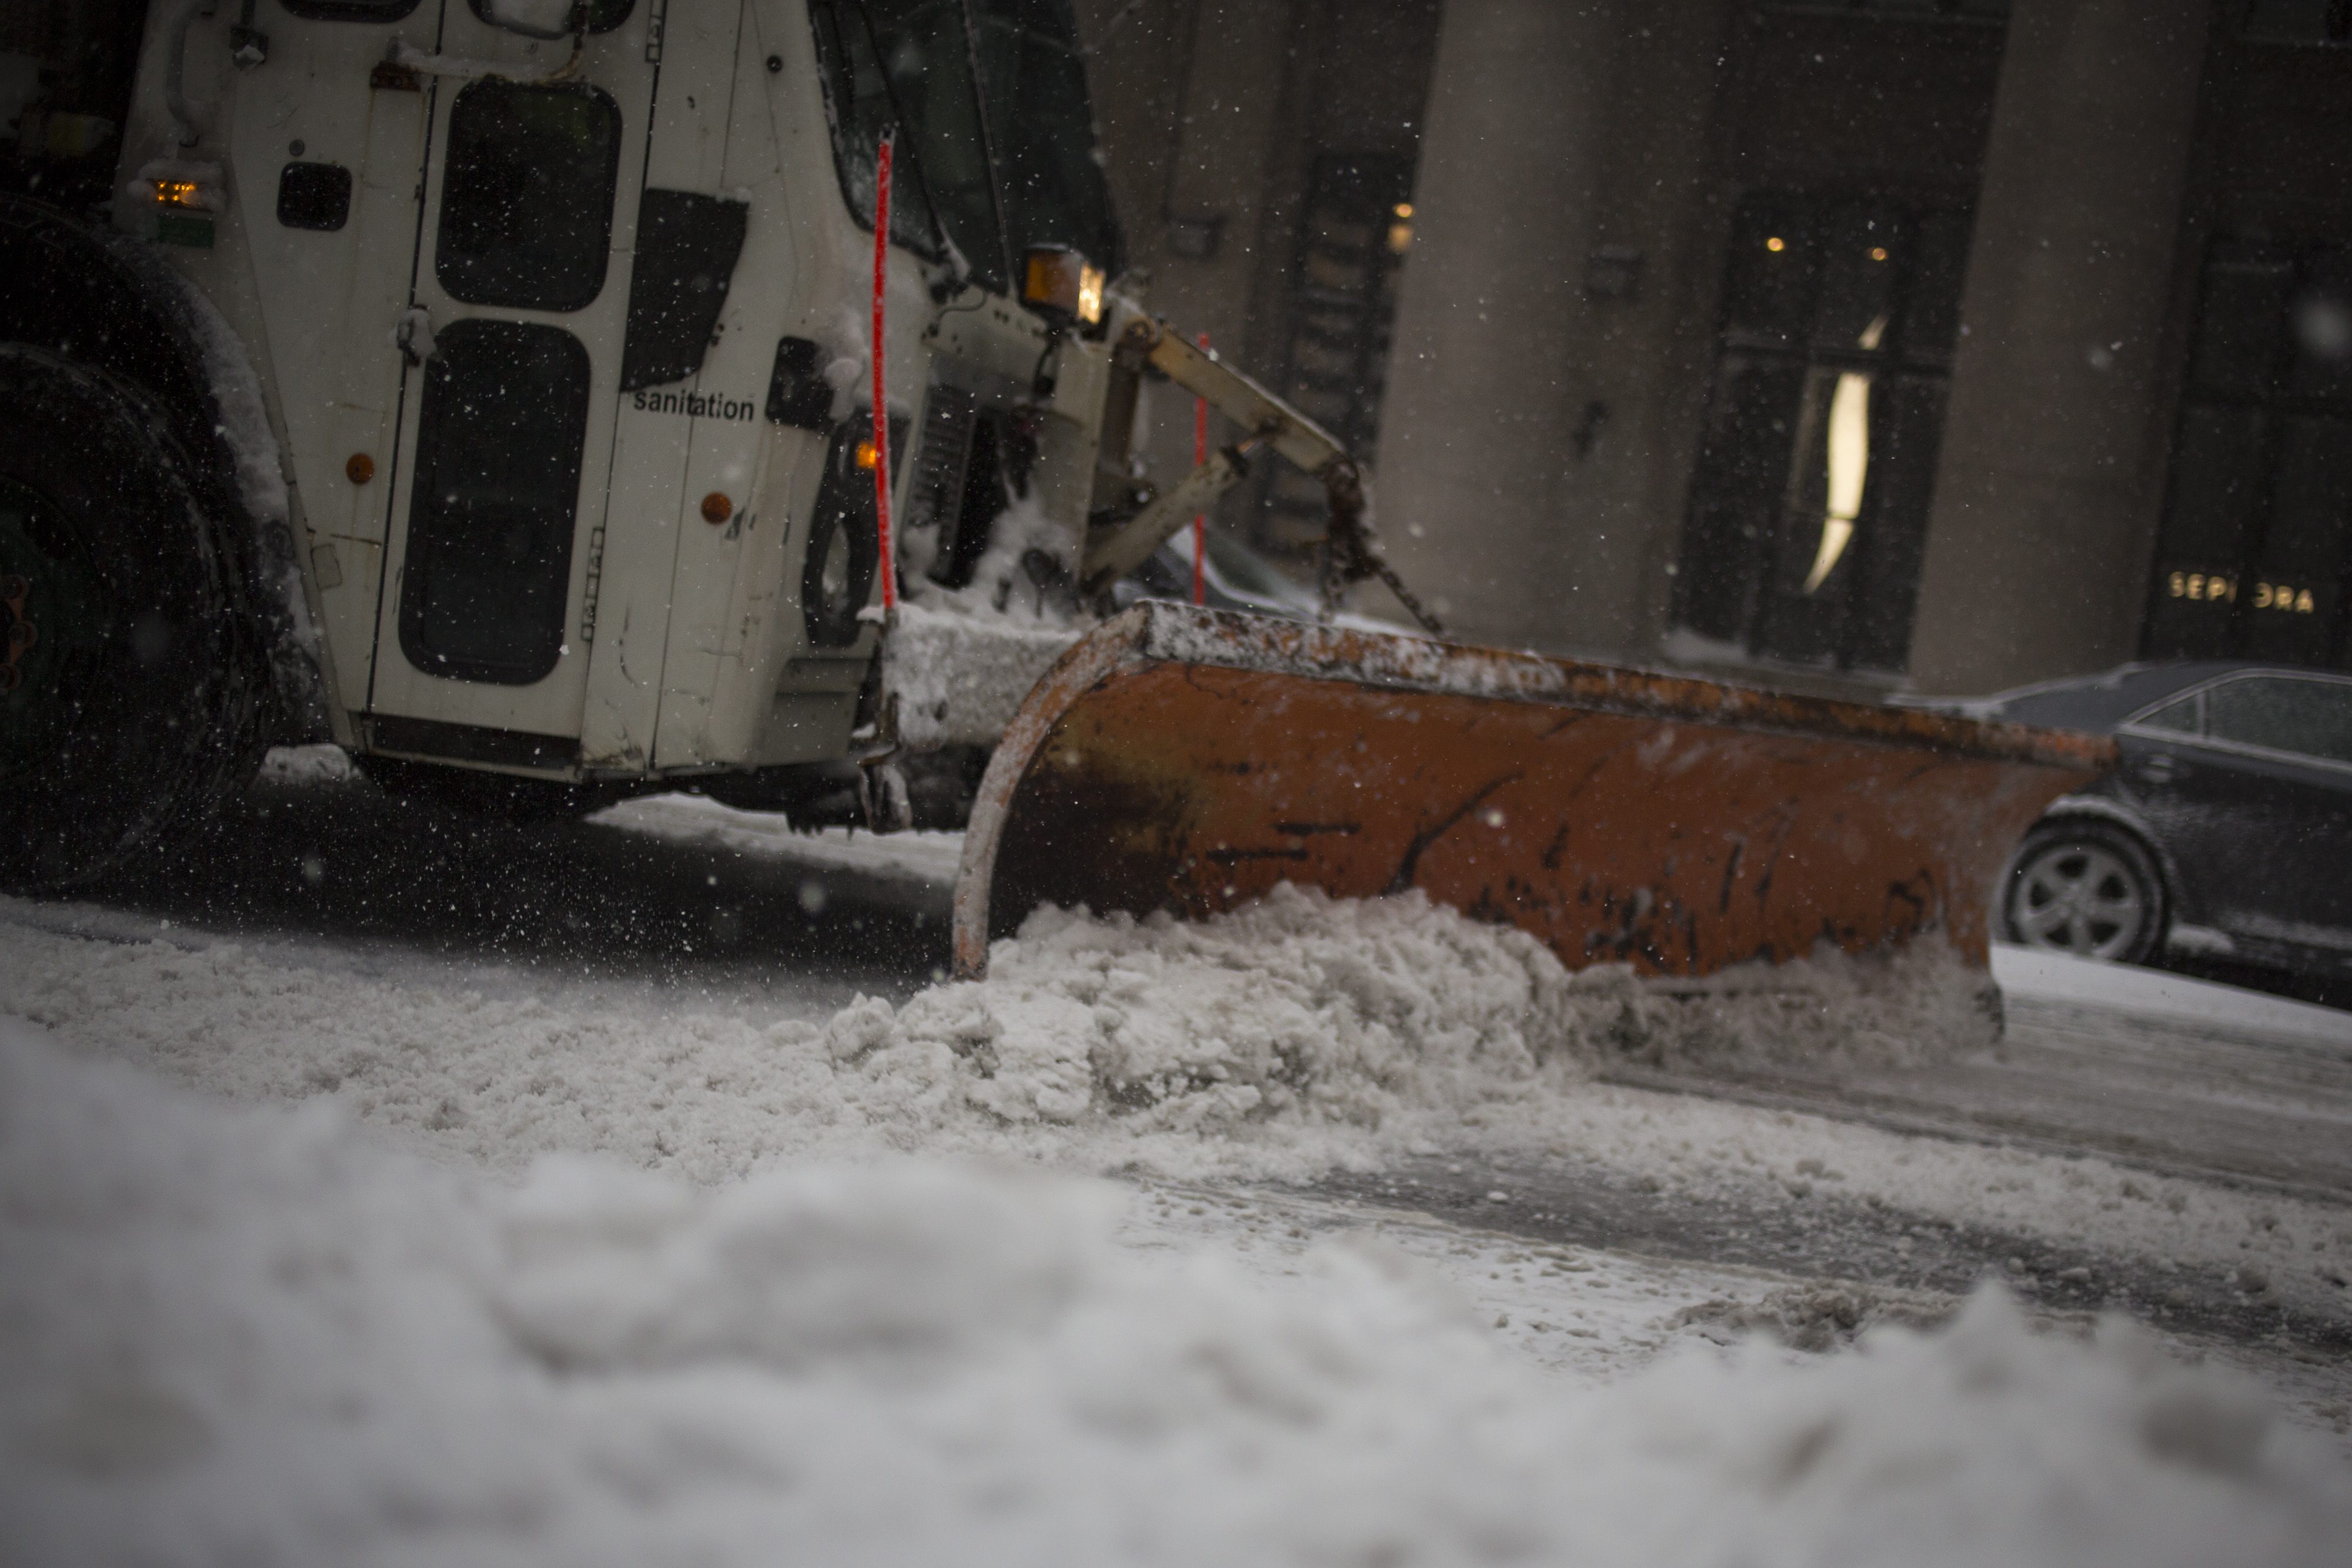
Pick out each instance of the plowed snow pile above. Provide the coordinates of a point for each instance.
(1279, 1043)
(1278, 1040)
(238, 1336)
(1304, 1007)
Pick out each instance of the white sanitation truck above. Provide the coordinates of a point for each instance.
(487, 386)
(484, 383)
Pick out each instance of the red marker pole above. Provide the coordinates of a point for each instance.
(1199, 520)
(889, 567)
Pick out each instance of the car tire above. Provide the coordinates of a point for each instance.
(2086, 888)
(133, 691)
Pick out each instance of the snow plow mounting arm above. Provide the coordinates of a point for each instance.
(1269, 420)
(1353, 555)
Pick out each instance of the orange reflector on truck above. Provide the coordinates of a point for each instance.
(1190, 759)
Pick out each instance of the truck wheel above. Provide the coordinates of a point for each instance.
(130, 691)
(2087, 889)
(844, 547)
(837, 577)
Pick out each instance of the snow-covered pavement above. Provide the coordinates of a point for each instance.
(1394, 1264)
(241, 1335)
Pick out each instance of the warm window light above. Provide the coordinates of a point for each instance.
(1849, 463)
(1776, 243)
(865, 455)
(1849, 459)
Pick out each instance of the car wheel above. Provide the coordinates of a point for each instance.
(2087, 889)
(132, 690)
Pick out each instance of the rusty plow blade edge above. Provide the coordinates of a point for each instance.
(1189, 761)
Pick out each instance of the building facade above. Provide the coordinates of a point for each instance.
(1856, 344)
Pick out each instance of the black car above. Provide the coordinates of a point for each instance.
(2225, 834)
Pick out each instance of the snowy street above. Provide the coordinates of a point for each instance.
(1600, 755)
(1430, 1174)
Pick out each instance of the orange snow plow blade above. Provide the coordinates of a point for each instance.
(1189, 761)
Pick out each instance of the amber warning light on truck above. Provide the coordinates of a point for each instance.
(1058, 281)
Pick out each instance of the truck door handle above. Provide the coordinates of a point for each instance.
(2156, 769)
(412, 334)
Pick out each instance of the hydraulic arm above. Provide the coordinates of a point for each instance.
(1351, 553)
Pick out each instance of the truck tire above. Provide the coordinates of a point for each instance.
(837, 575)
(843, 549)
(132, 690)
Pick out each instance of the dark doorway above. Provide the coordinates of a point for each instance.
(1808, 512)
(1353, 232)
(2257, 537)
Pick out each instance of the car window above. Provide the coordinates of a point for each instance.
(2282, 712)
(2180, 716)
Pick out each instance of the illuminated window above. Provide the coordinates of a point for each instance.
(1809, 508)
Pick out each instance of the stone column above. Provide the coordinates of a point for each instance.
(2049, 484)
(1491, 317)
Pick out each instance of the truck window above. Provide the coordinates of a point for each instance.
(497, 486)
(930, 78)
(527, 206)
(550, 15)
(1039, 118)
(352, 10)
(1055, 190)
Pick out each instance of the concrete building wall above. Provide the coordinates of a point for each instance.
(2052, 473)
(1491, 323)
(1211, 113)
(1649, 333)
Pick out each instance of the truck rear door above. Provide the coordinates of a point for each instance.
(513, 331)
